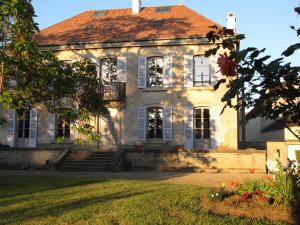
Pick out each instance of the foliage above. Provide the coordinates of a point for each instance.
(31, 77)
(270, 87)
(282, 189)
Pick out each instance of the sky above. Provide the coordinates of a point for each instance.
(266, 23)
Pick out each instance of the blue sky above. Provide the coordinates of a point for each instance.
(265, 22)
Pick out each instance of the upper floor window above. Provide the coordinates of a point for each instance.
(155, 123)
(155, 71)
(202, 75)
(108, 69)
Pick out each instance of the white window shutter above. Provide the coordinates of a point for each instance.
(188, 70)
(215, 122)
(142, 72)
(141, 123)
(51, 127)
(33, 128)
(11, 125)
(167, 126)
(188, 128)
(122, 69)
(168, 71)
(214, 69)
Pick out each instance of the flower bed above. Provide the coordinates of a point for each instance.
(273, 198)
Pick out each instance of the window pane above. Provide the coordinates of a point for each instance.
(206, 113)
(197, 61)
(205, 61)
(26, 133)
(198, 134)
(198, 123)
(198, 113)
(206, 134)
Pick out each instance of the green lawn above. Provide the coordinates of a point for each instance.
(49, 200)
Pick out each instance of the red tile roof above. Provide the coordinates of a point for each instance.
(119, 25)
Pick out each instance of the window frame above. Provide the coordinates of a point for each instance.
(147, 72)
(108, 80)
(202, 83)
(24, 130)
(155, 136)
(65, 127)
(202, 128)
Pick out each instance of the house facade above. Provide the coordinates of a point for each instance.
(157, 83)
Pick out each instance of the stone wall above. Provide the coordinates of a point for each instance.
(235, 161)
(27, 158)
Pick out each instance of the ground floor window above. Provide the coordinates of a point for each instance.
(23, 125)
(63, 128)
(155, 123)
(202, 123)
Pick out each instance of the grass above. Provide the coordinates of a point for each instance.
(50, 200)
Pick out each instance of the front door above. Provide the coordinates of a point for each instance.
(202, 133)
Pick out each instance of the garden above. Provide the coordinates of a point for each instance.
(273, 197)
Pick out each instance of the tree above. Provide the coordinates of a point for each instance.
(32, 78)
(270, 87)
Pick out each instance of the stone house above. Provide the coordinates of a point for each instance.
(157, 83)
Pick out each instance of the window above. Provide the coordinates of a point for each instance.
(155, 71)
(63, 128)
(201, 71)
(155, 123)
(23, 125)
(108, 69)
(202, 123)
(163, 9)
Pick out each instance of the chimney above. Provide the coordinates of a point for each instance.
(136, 6)
(231, 21)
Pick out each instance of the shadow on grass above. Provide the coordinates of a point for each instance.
(17, 186)
(60, 208)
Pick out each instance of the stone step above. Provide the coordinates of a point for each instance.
(83, 163)
(82, 168)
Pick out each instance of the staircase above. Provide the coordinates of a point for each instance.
(88, 161)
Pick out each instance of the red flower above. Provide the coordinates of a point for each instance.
(234, 183)
(227, 66)
(267, 177)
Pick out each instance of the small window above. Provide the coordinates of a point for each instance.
(108, 69)
(202, 123)
(163, 9)
(23, 125)
(100, 13)
(155, 123)
(201, 71)
(155, 71)
(63, 128)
